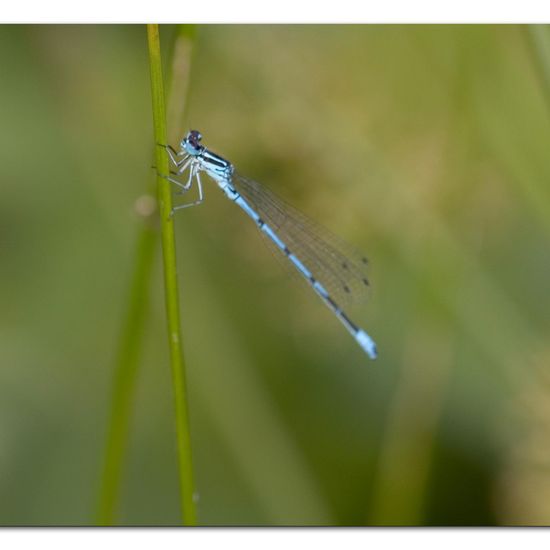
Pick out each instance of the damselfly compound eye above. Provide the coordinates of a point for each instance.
(191, 143)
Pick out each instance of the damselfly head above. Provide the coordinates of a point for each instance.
(191, 143)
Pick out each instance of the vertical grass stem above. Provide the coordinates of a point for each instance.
(185, 463)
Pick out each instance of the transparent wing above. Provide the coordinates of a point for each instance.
(334, 263)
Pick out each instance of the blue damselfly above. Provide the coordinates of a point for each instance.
(323, 260)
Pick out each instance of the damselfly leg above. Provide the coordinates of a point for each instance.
(183, 164)
(193, 173)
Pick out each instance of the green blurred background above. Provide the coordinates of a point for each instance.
(425, 146)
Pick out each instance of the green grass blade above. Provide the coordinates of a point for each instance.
(135, 317)
(127, 361)
(187, 487)
(539, 40)
(179, 81)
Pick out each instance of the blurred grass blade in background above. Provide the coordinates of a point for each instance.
(539, 40)
(127, 361)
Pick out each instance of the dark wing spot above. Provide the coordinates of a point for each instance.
(346, 289)
(366, 282)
